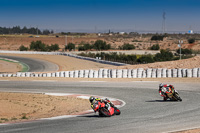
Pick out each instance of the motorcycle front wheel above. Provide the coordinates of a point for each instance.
(117, 111)
(103, 112)
(177, 97)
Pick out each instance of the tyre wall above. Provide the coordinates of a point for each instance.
(115, 73)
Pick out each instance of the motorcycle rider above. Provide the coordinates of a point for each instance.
(94, 101)
(162, 90)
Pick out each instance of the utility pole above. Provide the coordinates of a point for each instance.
(163, 23)
(180, 43)
(65, 41)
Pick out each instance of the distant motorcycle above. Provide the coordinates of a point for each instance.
(105, 109)
(172, 94)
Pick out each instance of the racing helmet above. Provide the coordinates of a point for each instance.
(161, 85)
(91, 99)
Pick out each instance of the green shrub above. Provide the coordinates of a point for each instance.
(157, 38)
(155, 47)
(164, 55)
(24, 116)
(145, 59)
(70, 46)
(38, 46)
(191, 40)
(184, 51)
(53, 47)
(84, 47)
(101, 45)
(23, 48)
(127, 46)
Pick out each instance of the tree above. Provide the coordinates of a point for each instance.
(46, 32)
(70, 46)
(38, 46)
(101, 45)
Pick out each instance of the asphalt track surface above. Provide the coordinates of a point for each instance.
(144, 112)
(35, 65)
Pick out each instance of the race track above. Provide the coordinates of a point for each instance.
(35, 65)
(144, 110)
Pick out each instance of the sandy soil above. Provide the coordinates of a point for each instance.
(22, 106)
(9, 67)
(189, 131)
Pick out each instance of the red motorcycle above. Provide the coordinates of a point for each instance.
(172, 94)
(106, 109)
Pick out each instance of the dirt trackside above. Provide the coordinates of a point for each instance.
(17, 107)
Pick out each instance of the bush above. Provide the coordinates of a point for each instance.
(70, 46)
(164, 55)
(157, 38)
(23, 48)
(53, 47)
(155, 47)
(191, 40)
(127, 46)
(85, 47)
(145, 59)
(184, 51)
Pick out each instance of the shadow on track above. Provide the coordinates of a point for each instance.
(151, 101)
(90, 116)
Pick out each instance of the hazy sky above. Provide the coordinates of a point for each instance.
(101, 15)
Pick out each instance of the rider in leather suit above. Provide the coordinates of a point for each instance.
(94, 101)
(162, 90)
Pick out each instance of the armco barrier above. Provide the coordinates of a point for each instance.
(65, 54)
(115, 73)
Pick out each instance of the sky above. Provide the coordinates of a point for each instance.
(102, 15)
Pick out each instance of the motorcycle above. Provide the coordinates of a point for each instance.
(105, 109)
(172, 94)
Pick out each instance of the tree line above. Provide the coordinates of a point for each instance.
(40, 46)
(164, 55)
(19, 30)
(98, 45)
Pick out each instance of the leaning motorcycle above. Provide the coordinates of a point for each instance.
(172, 94)
(105, 109)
